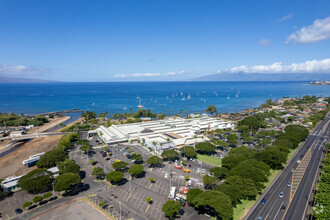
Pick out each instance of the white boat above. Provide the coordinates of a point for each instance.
(228, 97)
(183, 98)
(125, 108)
(188, 96)
(140, 106)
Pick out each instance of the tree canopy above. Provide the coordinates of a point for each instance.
(98, 172)
(211, 109)
(119, 165)
(170, 154)
(188, 151)
(206, 147)
(171, 208)
(154, 160)
(209, 181)
(135, 169)
(66, 181)
(68, 166)
(114, 176)
(36, 181)
(192, 194)
(51, 158)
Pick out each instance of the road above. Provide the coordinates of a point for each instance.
(296, 196)
(32, 135)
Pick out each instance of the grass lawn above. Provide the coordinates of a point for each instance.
(209, 159)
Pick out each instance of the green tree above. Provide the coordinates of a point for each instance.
(138, 158)
(217, 201)
(86, 148)
(66, 181)
(68, 166)
(211, 109)
(114, 176)
(37, 199)
(219, 172)
(246, 186)
(192, 195)
(26, 204)
(152, 180)
(231, 190)
(47, 195)
(120, 165)
(36, 181)
(188, 151)
(51, 158)
(272, 156)
(170, 154)
(209, 181)
(149, 200)
(171, 208)
(232, 160)
(135, 169)
(154, 160)
(98, 172)
(206, 147)
(101, 204)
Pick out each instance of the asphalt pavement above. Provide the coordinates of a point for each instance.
(295, 208)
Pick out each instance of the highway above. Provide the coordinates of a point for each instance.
(296, 195)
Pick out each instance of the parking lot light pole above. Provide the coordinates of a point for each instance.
(119, 210)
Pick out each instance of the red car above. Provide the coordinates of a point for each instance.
(178, 167)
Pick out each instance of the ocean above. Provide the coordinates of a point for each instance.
(160, 97)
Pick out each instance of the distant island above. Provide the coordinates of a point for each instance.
(320, 83)
(241, 76)
(5, 79)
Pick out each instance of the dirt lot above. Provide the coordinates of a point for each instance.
(79, 210)
(11, 164)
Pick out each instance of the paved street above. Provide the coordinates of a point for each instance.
(295, 207)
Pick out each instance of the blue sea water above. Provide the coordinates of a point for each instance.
(160, 97)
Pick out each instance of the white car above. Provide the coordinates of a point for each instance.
(292, 170)
(166, 175)
(298, 161)
(189, 182)
(151, 169)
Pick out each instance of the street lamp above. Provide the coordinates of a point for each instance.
(119, 210)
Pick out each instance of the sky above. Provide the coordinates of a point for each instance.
(162, 40)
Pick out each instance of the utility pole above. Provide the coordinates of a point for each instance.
(119, 210)
(130, 188)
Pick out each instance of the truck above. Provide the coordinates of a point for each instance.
(172, 192)
(183, 190)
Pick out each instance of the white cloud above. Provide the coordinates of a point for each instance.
(286, 17)
(20, 70)
(137, 75)
(312, 66)
(318, 31)
(264, 42)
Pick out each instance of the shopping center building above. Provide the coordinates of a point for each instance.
(164, 134)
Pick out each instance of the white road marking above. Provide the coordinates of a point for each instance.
(271, 208)
(278, 210)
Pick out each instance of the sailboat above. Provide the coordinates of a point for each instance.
(140, 106)
(188, 97)
(228, 97)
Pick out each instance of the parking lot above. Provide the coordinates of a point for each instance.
(16, 201)
(132, 194)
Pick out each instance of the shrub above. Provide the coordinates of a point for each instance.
(37, 199)
(27, 204)
(47, 195)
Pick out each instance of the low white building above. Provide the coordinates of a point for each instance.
(162, 134)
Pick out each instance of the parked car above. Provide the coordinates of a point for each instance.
(178, 167)
(189, 182)
(18, 211)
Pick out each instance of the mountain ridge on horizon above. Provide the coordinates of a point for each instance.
(8, 79)
(241, 76)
